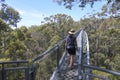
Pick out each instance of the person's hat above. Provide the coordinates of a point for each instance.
(71, 31)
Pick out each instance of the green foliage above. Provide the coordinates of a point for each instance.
(9, 15)
(99, 73)
(4, 32)
(46, 67)
(27, 43)
(54, 40)
(104, 42)
(3, 25)
(16, 51)
(112, 77)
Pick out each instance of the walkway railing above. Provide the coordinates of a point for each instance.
(102, 77)
(84, 55)
(84, 68)
(49, 61)
(46, 65)
(14, 70)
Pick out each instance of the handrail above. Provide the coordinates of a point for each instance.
(6, 70)
(102, 69)
(17, 68)
(100, 77)
(53, 77)
(9, 62)
(38, 60)
(47, 51)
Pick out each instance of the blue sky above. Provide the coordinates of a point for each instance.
(33, 11)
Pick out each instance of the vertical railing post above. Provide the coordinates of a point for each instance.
(80, 52)
(58, 58)
(3, 72)
(88, 57)
(88, 63)
(79, 63)
(82, 59)
(27, 74)
(32, 72)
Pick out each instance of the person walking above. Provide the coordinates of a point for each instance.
(70, 46)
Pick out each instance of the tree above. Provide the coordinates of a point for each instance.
(111, 8)
(81, 3)
(16, 51)
(60, 23)
(9, 15)
(4, 31)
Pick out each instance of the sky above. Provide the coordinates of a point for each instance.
(34, 11)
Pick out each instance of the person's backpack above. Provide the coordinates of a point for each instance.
(70, 42)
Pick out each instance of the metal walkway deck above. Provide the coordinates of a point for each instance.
(66, 72)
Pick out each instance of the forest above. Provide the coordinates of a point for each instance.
(25, 43)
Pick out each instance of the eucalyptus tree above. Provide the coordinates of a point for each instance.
(4, 31)
(82, 3)
(10, 15)
(40, 38)
(60, 23)
(17, 49)
(112, 5)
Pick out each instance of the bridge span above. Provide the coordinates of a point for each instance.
(54, 64)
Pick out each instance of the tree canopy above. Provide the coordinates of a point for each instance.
(111, 7)
(82, 3)
(9, 15)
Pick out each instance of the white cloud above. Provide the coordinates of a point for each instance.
(31, 17)
(22, 12)
(36, 14)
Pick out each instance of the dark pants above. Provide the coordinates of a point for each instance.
(71, 51)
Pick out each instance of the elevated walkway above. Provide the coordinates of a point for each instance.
(53, 64)
(82, 68)
(65, 72)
